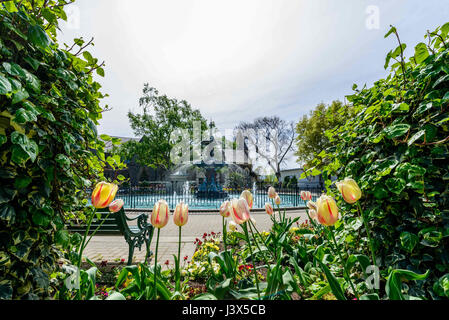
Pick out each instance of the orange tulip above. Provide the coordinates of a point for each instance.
(240, 210)
(349, 189)
(181, 214)
(103, 194)
(271, 192)
(225, 209)
(248, 196)
(327, 210)
(269, 208)
(159, 216)
(116, 205)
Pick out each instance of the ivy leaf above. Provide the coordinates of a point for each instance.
(5, 85)
(38, 36)
(408, 241)
(396, 130)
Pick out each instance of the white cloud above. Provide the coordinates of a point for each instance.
(237, 60)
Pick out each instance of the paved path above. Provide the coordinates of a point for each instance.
(112, 248)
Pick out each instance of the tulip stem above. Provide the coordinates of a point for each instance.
(178, 273)
(368, 232)
(251, 225)
(343, 262)
(155, 265)
(224, 235)
(245, 228)
(95, 231)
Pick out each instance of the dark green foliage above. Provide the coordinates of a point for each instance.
(396, 148)
(49, 109)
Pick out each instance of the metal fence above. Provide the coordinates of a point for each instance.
(139, 197)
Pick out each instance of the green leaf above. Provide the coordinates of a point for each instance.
(22, 182)
(7, 213)
(38, 36)
(393, 286)
(421, 52)
(20, 96)
(333, 282)
(408, 241)
(396, 130)
(5, 85)
(393, 29)
(415, 137)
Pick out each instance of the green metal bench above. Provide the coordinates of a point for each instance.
(135, 235)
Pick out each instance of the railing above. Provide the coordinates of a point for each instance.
(139, 197)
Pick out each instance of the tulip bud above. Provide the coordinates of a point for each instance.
(311, 205)
(327, 210)
(313, 214)
(240, 210)
(232, 226)
(349, 189)
(306, 195)
(225, 208)
(159, 216)
(271, 192)
(181, 214)
(248, 196)
(116, 205)
(103, 194)
(277, 199)
(269, 208)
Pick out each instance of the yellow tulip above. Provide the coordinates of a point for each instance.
(181, 214)
(327, 210)
(159, 216)
(248, 196)
(103, 194)
(349, 189)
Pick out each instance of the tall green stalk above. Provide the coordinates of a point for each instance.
(251, 225)
(343, 262)
(224, 234)
(245, 228)
(155, 265)
(178, 273)
(368, 232)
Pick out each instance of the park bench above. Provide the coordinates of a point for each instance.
(135, 235)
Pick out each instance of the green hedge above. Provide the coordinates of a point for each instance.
(49, 109)
(396, 148)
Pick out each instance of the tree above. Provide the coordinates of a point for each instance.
(311, 130)
(161, 116)
(271, 138)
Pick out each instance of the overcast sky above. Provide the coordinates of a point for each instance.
(238, 60)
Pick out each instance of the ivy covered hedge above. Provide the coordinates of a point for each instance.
(49, 109)
(396, 148)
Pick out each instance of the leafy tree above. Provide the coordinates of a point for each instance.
(311, 130)
(49, 109)
(161, 116)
